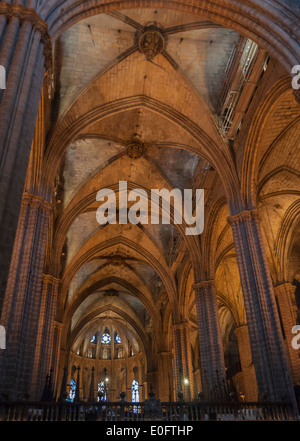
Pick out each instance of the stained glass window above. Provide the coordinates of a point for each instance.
(102, 388)
(72, 391)
(106, 338)
(135, 392)
(93, 340)
(118, 339)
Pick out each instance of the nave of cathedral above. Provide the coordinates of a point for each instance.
(175, 95)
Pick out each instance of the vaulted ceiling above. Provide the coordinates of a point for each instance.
(110, 92)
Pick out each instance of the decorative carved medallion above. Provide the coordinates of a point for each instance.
(135, 149)
(111, 293)
(151, 42)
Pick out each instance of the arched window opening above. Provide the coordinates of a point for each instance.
(106, 338)
(135, 396)
(135, 392)
(102, 387)
(72, 391)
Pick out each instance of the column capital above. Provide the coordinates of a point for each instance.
(58, 325)
(51, 279)
(30, 15)
(246, 215)
(36, 201)
(180, 326)
(203, 284)
(284, 285)
(241, 328)
(165, 354)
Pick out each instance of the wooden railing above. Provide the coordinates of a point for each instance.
(120, 411)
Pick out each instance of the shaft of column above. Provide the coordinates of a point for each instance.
(268, 352)
(2, 25)
(27, 309)
(21, 309)
(183, 368)
(91, 396)
(55, 355)
(45, 335)
(249, 378)
(210, 342)
(25, 54)
(164, 370)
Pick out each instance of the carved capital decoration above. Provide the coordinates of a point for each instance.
(248, 215)
(152, 42)
(180, 326)
(58, 325)
(203, 284)
(38, 24)
(48, 278)
(36, 201)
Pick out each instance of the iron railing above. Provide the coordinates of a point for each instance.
(120, 411)
(236, 75)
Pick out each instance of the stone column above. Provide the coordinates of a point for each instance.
(26, 307)
(288, 315)
(198, 381)
(164, 373)
(145, 391)
(78, 391)
(183, 367)
(92, 386)
(25, 54)
(267, 347)
(55, 357)
(210, 341)
(152, 380)
(23, 298)
(45, 336)
(249, 378)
